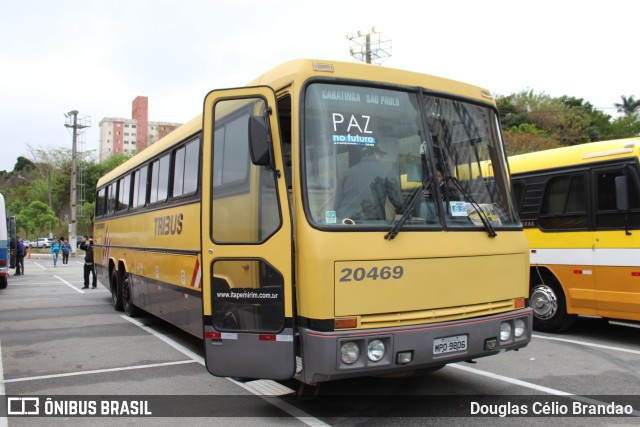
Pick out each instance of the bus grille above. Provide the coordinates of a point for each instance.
(436, 315)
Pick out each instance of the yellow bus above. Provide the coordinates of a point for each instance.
(580, 207)
(247, 227)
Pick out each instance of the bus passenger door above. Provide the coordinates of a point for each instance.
(617, 270)
(246, 238)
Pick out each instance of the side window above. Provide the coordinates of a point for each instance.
(101, 202)
(564, 205)
(160, 179)
(607, 214)
(178, 171)
(185, 169)
(231, 154)
(518, 192)
(140, 187)
(111, 198)
(191, 167)
(243, 209)
(124, 188)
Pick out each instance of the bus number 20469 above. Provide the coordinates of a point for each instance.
(383, 273)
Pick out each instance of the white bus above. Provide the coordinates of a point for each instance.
(4, 246)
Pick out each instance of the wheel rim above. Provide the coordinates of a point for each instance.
(114, 288)
(126, 298)
(544, 302)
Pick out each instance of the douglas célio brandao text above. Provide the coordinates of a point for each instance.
(551, 408)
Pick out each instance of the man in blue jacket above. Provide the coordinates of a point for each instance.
(19, 256)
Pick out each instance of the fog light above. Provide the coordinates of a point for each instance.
(404, 357)
(519, 328)
(349, 352)
(490, 344)
(375, 350)
(505, 331)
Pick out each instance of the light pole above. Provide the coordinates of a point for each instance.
(369, 46)
(72, 122)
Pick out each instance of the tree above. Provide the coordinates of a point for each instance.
(36, 217)
(629, 106)
(533, 122)
(23, 164)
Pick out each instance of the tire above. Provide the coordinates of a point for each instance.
(116, 294)
(4, 281)
(127, 296)
(549, 306)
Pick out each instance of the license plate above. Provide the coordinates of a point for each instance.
(449, 344)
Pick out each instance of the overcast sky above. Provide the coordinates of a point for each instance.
(97, 56)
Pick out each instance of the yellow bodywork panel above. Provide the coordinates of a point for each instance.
(367, 287)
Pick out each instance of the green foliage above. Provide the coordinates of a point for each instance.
(23, 164)
(533, 122)
(629, 106)
(36, 217)
(48, 182)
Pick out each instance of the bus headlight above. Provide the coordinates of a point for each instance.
(349, 352)
(505, 331)
(519, 328)
(375, 350)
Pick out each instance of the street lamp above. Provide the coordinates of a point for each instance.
(369, 46)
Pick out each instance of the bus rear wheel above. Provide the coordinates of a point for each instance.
(127, 296)
(116, 294)
(549, 307)
(4, 281)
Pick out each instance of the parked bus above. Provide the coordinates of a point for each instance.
(230, 227)
(4, 245)
(580, 207)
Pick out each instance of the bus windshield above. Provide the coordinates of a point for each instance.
(373, 156)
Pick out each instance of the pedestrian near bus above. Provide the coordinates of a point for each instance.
(55, 251)
(66, 250)
(19, 256)
(89, 267)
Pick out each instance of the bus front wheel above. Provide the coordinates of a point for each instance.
(549, 307)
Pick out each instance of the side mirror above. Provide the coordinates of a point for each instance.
(622, 196)
(259, 139)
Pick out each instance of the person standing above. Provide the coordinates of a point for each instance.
(55, 251)
(66, 249)
(19, 256)
(89, 268)
(361, 195)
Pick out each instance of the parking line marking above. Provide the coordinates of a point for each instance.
(532, 386)
(511, 380)
(69, 285)
(280, 404)
(587, 344)
(96, 371)
(190, 354)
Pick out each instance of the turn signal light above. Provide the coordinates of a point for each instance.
(346, 323)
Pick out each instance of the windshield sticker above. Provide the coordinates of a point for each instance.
(330, 217)
(458, 208)
(364, 141)
(356, 124)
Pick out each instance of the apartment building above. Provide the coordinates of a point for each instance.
(130, 136)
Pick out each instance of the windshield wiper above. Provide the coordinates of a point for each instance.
(428, 180)
(483, 216)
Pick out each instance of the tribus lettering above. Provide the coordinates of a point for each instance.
(169, 224)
